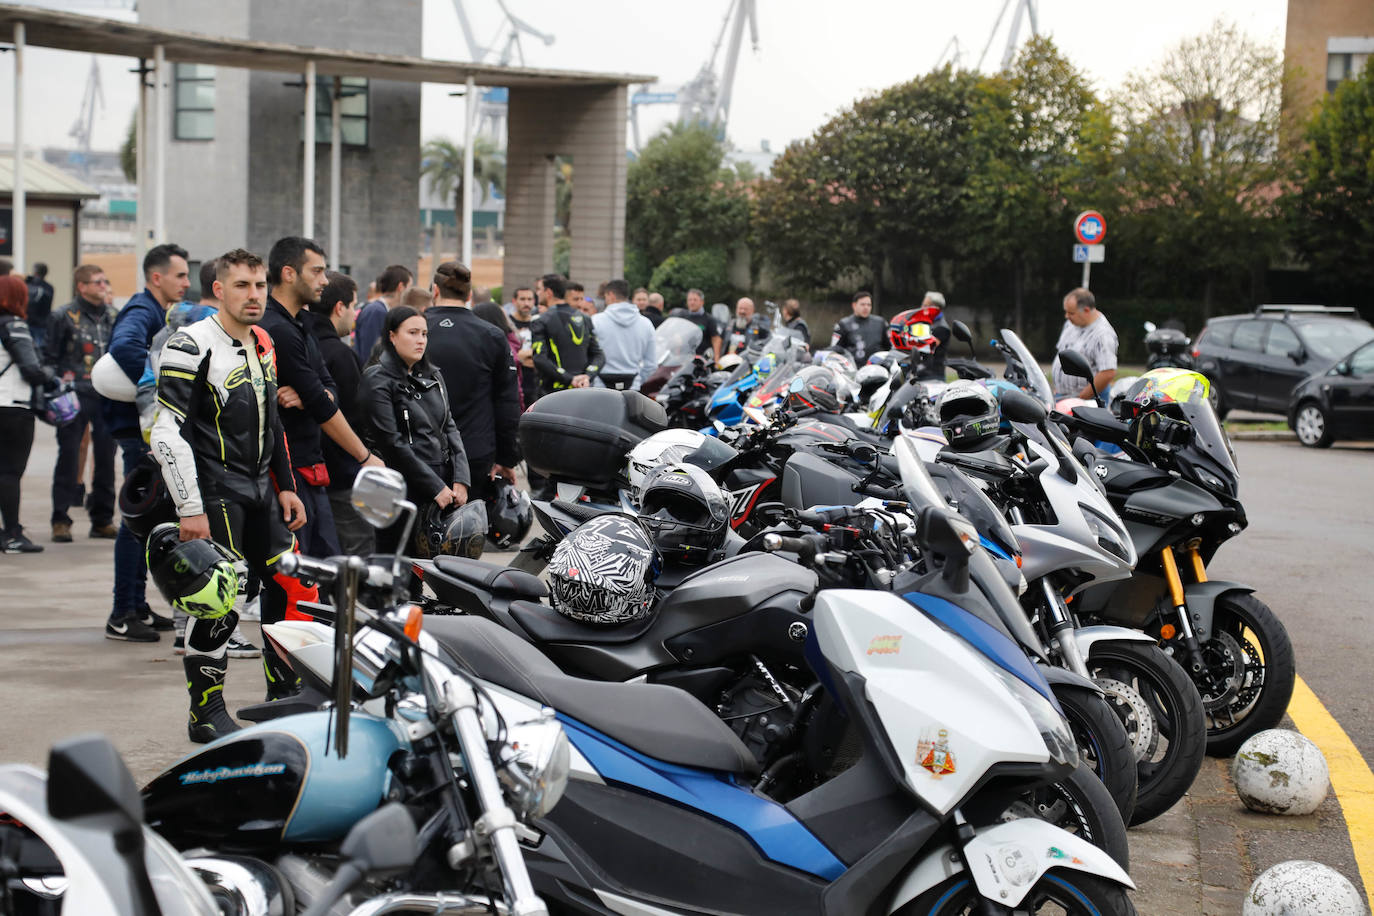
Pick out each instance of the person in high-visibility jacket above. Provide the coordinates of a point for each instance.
(566, 352)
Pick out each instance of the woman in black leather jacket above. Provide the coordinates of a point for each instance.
(20, 373)
(409, 422)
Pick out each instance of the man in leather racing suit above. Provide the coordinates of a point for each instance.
(219, 440)
(566, 351)
(861, 334)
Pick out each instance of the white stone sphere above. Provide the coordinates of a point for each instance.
(1278, 771)
(1300, 888)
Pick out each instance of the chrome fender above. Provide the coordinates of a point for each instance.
(1087, 637)
(1007, 860)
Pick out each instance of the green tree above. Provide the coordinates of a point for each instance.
(883, 184)
(1201, 166)
(681, 196)
(441, 161)
(701, 268)
(1036, 147)
(128, 152)
(1334, 211)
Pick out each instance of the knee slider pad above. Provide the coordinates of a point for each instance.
(210, 637)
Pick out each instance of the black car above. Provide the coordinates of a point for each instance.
(1336, 403)
(1255, 360)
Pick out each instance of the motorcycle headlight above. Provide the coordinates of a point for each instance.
(1108, 538)
(1053, 727)
(534, 765)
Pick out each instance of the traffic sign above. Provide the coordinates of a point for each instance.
(1089, 227)
(1089, 254)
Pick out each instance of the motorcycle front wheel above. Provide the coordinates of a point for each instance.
(1080, 805)
(1248, 672)
(1102, 743)
(1162, 712)
(1059, 893)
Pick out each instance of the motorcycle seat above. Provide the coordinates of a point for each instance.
(502, 581)
(662, 722)
(583, 512)
(544, 624)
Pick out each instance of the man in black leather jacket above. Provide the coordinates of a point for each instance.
(861, 334)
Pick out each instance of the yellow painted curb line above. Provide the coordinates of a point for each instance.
(1351, 778)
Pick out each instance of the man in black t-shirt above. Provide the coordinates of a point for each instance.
(710, 328)
(522, 316)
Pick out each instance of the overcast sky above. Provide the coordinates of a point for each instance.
(814, 56)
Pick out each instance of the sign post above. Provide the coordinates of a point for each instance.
(1089, 229)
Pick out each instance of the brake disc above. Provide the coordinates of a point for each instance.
(1134, 713)
(1225, 660)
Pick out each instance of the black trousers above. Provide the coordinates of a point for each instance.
(16, 442)
(65, 486)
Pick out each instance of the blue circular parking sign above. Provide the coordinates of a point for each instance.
(1089, 227)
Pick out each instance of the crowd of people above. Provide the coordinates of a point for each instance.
(253, 409)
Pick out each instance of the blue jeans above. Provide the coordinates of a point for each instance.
(130, 565)
(318, 537)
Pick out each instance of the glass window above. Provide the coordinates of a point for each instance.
(1282, 340)
(1218, 334)
(1249, 336)
(353, 110)
(194, 92)
(1333, 338)
(1362, 363)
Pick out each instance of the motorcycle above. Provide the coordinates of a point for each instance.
(895, 796)
(1168, 348)
(676, 341)
(1070, 538)
(1179, 505)
(279, 802)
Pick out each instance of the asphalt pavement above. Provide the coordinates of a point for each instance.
(1308, 552)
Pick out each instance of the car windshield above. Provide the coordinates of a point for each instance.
(1333, 338)
(677, 340)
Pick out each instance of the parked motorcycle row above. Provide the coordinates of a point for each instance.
(797, 636)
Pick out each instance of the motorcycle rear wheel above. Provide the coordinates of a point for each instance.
(1102, 743)
(1060, 892)
(1146, 680)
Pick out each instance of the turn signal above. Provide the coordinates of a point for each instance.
(414, 620)
(1167, 631)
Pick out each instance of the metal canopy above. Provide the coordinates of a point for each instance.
(73, 32)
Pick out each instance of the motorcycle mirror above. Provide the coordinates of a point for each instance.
(1149, 326)
(953, 537)
(960, 331)
(1074, 363)
(377, 495)
(384, 841)
(863, 453)
(1019, 407)
(88, 780)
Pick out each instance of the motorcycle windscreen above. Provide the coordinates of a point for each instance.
(917, 484)
(1209, 442)
(1025, 372)
(676, 340)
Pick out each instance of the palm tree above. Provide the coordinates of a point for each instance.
(441, 161)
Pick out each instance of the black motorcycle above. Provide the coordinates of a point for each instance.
(1168, 348)
(1179, 504)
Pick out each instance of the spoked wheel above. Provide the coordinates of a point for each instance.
(1102, 743)
(1059, 893)
(1079, 805)
(1162, 712)
(1248, 672)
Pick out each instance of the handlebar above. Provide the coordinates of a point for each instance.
(299, 566)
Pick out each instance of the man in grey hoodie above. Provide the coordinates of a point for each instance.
(627, 339)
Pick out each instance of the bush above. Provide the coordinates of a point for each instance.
(496, 292)
(703, 268)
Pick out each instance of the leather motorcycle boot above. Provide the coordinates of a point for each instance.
(282, 682)
(205, 681)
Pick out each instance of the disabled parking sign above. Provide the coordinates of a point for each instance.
(1089, 227)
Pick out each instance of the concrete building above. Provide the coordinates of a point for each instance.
(235, 150)
(52, 218)
(1327, 41)
(224, 158)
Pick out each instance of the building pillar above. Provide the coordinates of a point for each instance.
(163, 129)
(595, 137)
(19, 207)
(335, 173)
(532, 131)
(469, 198)
(308, 171)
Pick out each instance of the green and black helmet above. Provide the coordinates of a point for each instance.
(196, 577)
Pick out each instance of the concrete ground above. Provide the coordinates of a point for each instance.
(60, 676)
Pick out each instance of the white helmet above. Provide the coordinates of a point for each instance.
(670, 447)
(110, 381)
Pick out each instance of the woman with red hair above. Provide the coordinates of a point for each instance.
(20, 372)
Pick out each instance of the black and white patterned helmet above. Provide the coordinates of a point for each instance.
(604, 572)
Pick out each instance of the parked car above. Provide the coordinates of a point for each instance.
(1337, 403)
(1255, 360)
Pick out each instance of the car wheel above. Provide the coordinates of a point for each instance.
(1313, 425)
(1219, 402)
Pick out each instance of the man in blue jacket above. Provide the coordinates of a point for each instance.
(168, 278)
